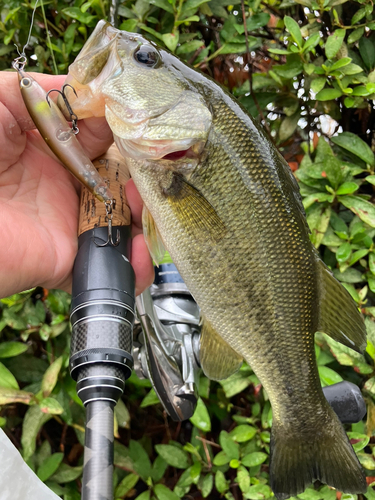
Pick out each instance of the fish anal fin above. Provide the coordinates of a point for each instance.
(190, 205)
(339, 315)
(217, 359)
(152, 236)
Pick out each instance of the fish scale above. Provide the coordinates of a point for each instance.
(228, 210)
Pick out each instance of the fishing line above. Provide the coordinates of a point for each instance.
(23, 54)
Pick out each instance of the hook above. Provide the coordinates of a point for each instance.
(73, 116)
(108, 208)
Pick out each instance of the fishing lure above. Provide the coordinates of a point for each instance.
(57, 133)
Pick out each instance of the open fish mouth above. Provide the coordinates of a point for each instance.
(151, 115)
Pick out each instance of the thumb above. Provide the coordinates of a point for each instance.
(95, 136)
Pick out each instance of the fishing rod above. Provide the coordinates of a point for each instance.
(102, 317)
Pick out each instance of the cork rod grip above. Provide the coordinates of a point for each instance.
(112, 168)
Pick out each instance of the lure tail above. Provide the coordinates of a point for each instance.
(325, 455)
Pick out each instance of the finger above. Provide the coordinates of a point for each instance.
(135, 203)
(95, 136)
(142, 264)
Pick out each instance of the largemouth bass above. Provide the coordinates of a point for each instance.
(226, 206)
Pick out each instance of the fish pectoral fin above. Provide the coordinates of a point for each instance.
(339, 315)
(152, 236)
(217, 359)
(191, 206)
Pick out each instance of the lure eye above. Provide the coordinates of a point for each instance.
(25, 82)
(148, 56)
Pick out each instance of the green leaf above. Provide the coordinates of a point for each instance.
(367, 51)
(288, 126)
(347, 357)
(361, 207)
(32, 423)
(145, 495)
(360, 14)
(7, 379)
(312, 41)
(328, 94)
(10, 395)
(195, 472)
(164, 493)
(361, 440)
(231, 448)
(201, 418)
(258, 492)
(355, 35)
(254, 459)
(122, 415)
(65, 473)
(235, 384)
(366, 461)
(49, 466)
(126, 485)
(351, 142)
(207, 485)
(173, 456)
(51, 405)
(318, 197)
(158, 468)
(220, 482)
(349, 276)
(140, 459)
(191, 46)
(328, 376)
(76, 13)
(11, 349)
(162, 4)
(358, 255)
(344, 61)
(334, 42)
(184, 483)
(292, 68)
(243, 479)
(347, 188)
(343, 252)
(318, 83)
(293, 28)
(371, 262)
(171, 40)
(221, 458)
(243, 433)
(351, 69)
(318, 220)
(129, 25)
(150, 399)
(50, 377)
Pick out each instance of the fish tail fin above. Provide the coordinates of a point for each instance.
(339, 316)
(324, 454)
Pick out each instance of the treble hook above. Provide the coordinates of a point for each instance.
(108, 208)
(73, 116)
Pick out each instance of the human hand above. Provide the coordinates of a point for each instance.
(39, 199)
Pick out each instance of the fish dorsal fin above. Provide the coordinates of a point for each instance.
(339, 316)
(190, 205)
(152, 236)
(218, 360)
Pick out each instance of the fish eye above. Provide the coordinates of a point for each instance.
(147, 55)
(25, 82)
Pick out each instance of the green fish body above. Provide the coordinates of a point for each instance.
(227, 208)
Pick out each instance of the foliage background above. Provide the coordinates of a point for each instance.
(305, 70)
